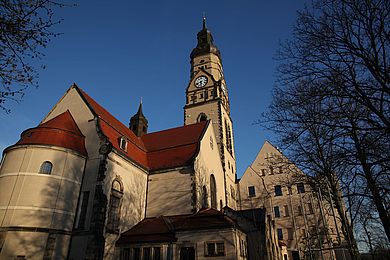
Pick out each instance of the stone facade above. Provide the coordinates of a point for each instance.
(305, 223)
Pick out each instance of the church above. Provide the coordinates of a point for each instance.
(83, 185)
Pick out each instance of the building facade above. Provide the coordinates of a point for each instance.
(305, 222)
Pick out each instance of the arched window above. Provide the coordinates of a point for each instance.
(205, 202)
(230, 139)
(115, 205)
(213, 192)
(202, 117)
(228, 133)
(227, 136)
(46, 167)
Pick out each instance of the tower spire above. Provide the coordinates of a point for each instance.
(205, 42)
(138, 122)
(204, 21)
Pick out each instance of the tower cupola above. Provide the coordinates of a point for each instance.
(205, 43)
(139, 123)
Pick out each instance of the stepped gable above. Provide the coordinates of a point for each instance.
(173, 147)
(165, 149)
(164, 228)
(61, 131)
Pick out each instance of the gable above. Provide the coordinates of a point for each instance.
(201, 73)
(266, 153)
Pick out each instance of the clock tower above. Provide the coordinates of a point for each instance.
(207, 99)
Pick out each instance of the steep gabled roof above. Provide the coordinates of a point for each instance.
(61, 131)
(160, 150)
(164, 228)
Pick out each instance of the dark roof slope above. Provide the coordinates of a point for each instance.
(163, 228)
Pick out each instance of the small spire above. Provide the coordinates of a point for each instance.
(204, 21)
(138, 122)
(140, 108)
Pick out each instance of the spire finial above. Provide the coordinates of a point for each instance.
(140, 107)
(204, 21)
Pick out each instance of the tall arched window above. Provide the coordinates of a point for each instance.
(213, 192)
(205, 202)
(115, 205)
(46, 167)
(228, 137)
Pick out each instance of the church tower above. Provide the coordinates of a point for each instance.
(207, 99)
(139, 123)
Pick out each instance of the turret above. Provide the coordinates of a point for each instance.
(139, 123)
(205, 43)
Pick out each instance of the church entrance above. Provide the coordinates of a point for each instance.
(187, 253)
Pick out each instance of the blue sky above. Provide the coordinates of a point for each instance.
(119, 51)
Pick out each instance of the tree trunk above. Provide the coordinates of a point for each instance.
(371, 184)
(345, 225)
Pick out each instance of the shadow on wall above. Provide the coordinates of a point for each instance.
(171, 194)
(45, 232)
(132, 211)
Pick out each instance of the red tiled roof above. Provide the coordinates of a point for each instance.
(172, 157)
(174, 137)
(160, 150)
(173, 147)
(207, 219)
(163, 228)
(149, 230)
(60, 131)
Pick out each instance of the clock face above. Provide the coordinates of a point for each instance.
(201, 81)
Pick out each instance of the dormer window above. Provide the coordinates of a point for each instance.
(123, 143)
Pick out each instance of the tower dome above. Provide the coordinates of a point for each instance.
(61, 131)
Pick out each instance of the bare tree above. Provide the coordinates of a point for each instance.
(25, 29)
(345, 43)
(333, 105)
(300, 119)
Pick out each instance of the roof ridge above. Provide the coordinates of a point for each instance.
(173, 128)
(170, 147)
(108, 123)
(87, 97)
(56, 123)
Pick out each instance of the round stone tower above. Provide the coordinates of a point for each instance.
(40, 180)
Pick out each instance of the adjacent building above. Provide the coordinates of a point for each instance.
(305, 222)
